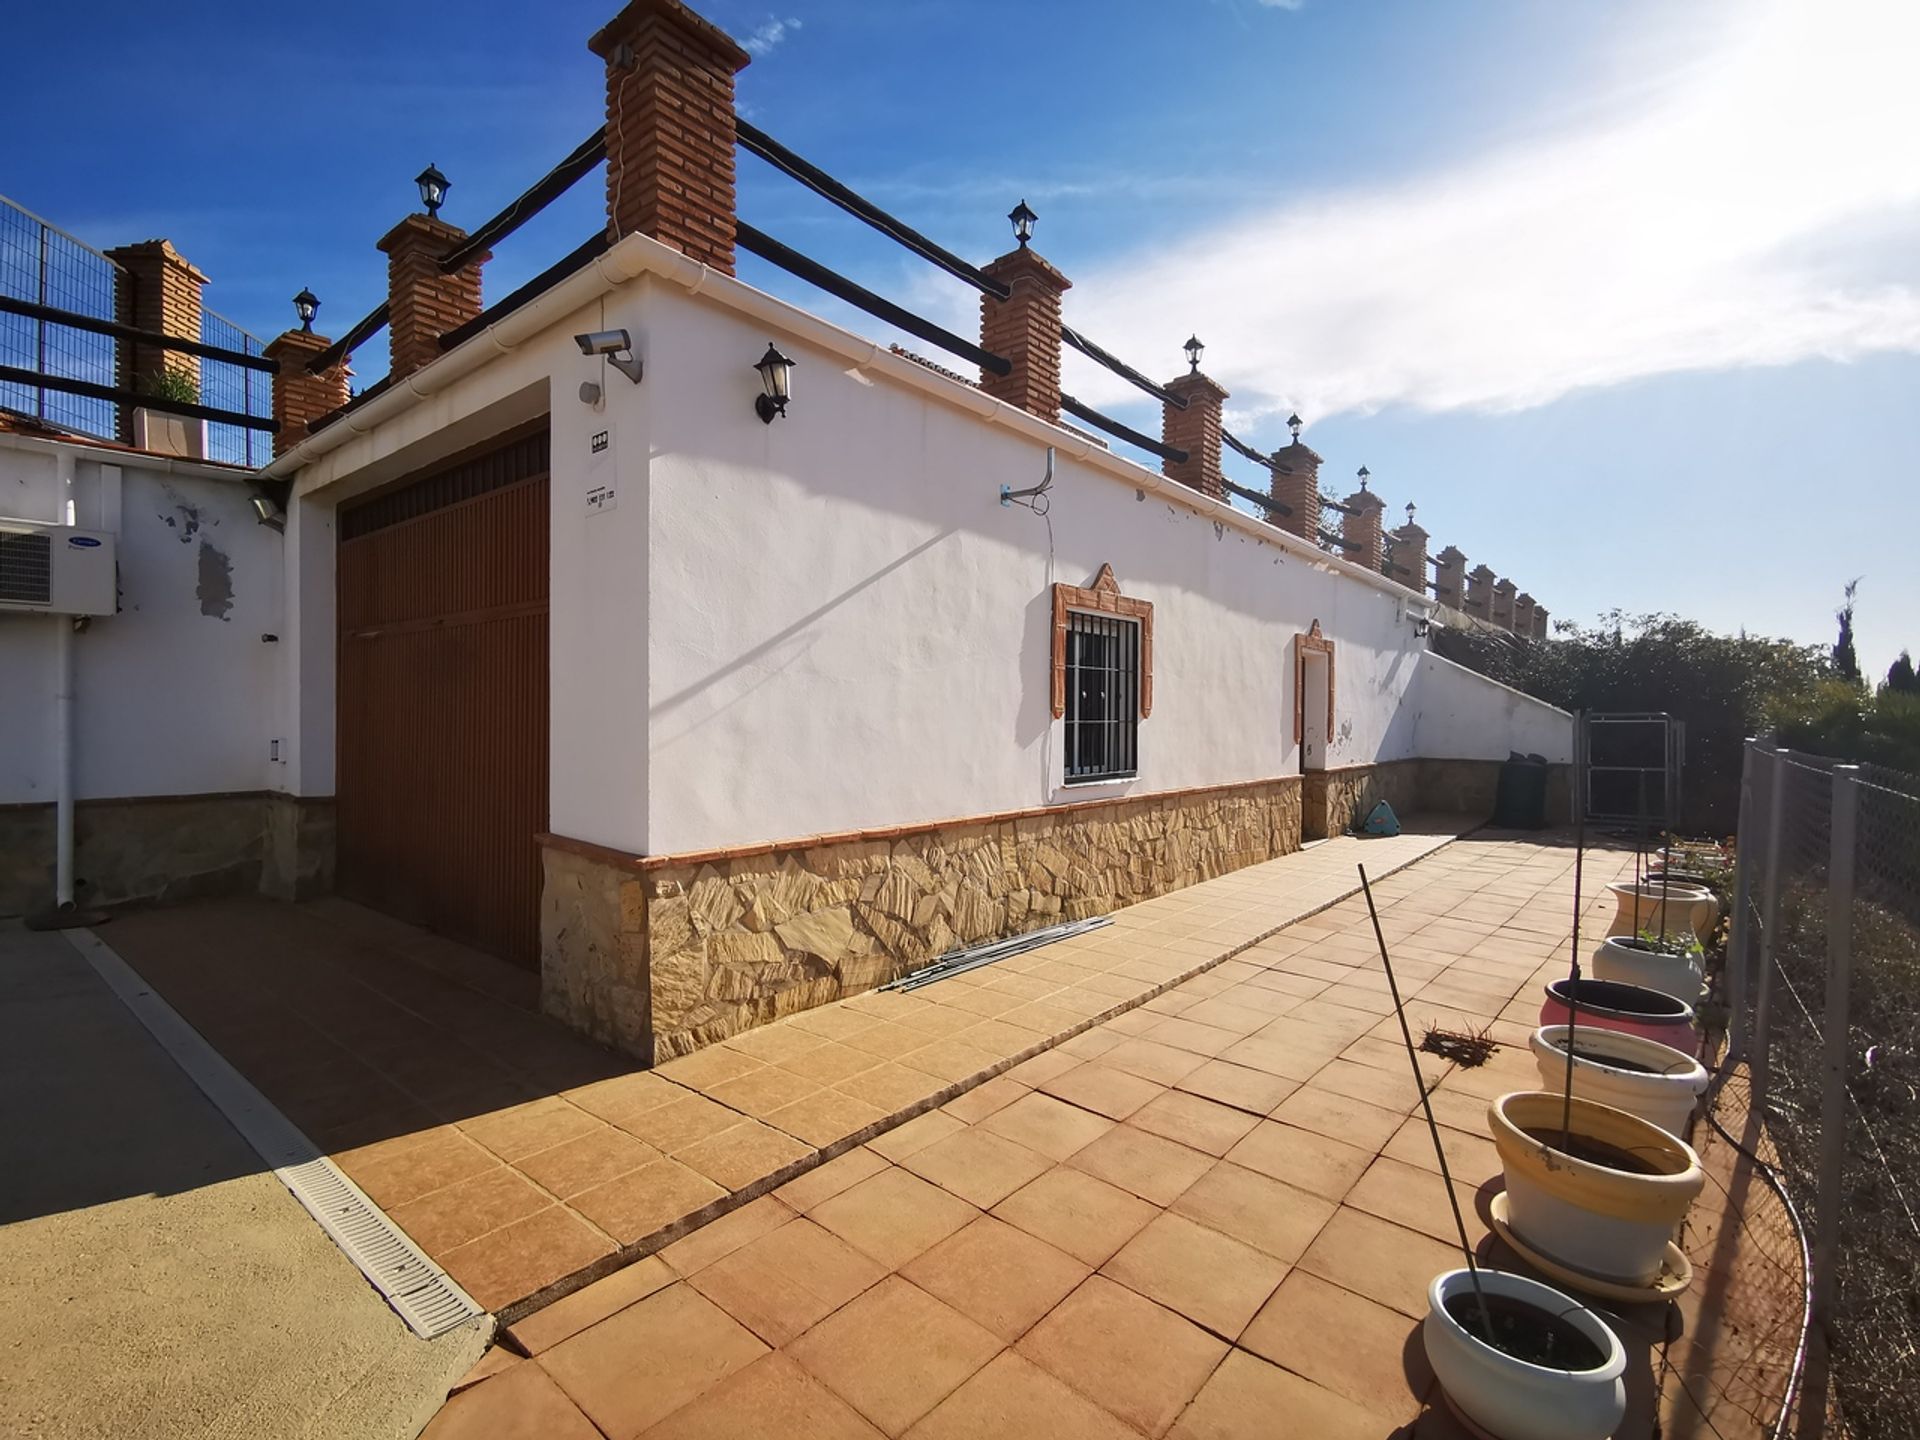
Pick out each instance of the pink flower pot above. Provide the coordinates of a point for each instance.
(1630, 1009)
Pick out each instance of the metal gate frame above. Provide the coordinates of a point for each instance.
(1667, 792)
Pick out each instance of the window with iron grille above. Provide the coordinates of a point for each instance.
(1103, 697)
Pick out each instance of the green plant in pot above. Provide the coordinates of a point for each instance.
(171, 382)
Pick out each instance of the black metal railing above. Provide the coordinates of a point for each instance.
(43, 265)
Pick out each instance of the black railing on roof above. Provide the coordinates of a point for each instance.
(370, 324)
(1278, 507)
(126, 395)
(595, 246)
(1123, 432)
(1329, 538)
(52, 315)
(1245, 449)
(1120, 367)
(529, 203)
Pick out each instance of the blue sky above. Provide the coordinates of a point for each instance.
(1625, 295)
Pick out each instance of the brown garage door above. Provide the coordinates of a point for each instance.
(442, 760)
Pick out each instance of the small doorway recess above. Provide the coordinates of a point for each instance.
(1313, 725)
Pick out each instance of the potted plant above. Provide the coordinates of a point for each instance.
(1705, 912)
(1551, 1370)
(1642, 1077)
(1671, 965)
(1593, 1188)
(1612, 1005)
(164, 433)
(1665, 909)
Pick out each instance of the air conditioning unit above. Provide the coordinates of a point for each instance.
(56, 569)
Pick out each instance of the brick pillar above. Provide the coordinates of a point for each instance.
(1362, 528)
(1503, 604)
(670, 128)
(1296, 482)
(1523, 615)
(1540, 631)
(1195, 430)
(422, 302)
(1479, 597)
(1450, 577)
(1410, 557)
(300, 398)
(1025, 328)
(158, 289)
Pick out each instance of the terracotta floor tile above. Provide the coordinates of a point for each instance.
(1042, 1067)
(642, 1201)
(468, 1209)
(1256, 1209)
(1211, 1278)
(1245, 1394)
(706, 1068)
(1089, 1044)
(978, 1165)
(887, 1041)
(1385, 1262)
(975, 1105)
(392, 1177)
(1472, 1159)
(587, 1160)
(1196, 1122)
(823, 1182)
(1275, 1057)
(1389, 1089)
(512, 1262)
(951, 1060)
(743, 1155)
(774, 1044)
(619, 1099)
(1225, 1014)
(764, 1090)
(1130, 1356)
(1410, 1196)
(915, 1134)
(494, 1362)
(772, 1397)
(1344, 1342)
(1149, 1059)
(638, 1367)
(680, 1123)
(1301, 1158)
(1339, 1117)
(522, 1403)
(1150, 1166)
(1203, 1040)
(825, 1116)
(997, 1038)
(891, 1087)
(893, 1216)
(1103, 1090)
(1254, 1091)
(523, 1129)
(1047, 1126)
(830, 1063)
(1014, 1399)
(779, 1285)
(1077, 1213)
(720, 1238)
(997, 1274)
(895, 1353)
(573, 1313)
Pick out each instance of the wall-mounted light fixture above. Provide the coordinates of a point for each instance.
(776, 382)
(306, 305)
(433, 189)
(270, 505)
(616, 348)
(1023, 222)
(1194, 350)
(1420, 627)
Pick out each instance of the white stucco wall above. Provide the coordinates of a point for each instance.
(1462, 715)
(175, 694)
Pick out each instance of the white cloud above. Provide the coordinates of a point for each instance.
(1760, 206)
(765, 38)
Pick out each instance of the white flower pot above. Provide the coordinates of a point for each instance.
(1680, 976)
(1662, 1093)
(1607, 1223)
(1512, 1398)
(1641, 906)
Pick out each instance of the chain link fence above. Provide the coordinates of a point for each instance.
(1824, 971)
(43, 264)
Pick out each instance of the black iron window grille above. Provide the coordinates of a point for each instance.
(1103, 698)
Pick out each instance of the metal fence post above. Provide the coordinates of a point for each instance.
(1737, 926)
(1769, 918)
(1835, 1037)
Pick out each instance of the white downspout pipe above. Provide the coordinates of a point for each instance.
(63, 714)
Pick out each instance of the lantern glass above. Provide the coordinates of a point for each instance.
(306, 305)
(1194, 350)
(433, 188)
(1023, 222)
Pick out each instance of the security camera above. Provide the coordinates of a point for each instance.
(616, 347)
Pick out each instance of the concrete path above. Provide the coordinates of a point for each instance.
(154, 1280)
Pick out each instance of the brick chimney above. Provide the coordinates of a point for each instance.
(1361, 527)
(1409, 557)
(1479, 598)
(423, 303)
(1296, 483)
(1503, 604)
(1195, 430)
(1025, 328)
(156, 288)
(1449, 577)
(1523, 615)
(670, 128)
(1540, 630)
(299, 398)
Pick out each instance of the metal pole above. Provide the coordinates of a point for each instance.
(40, 330)
(1743, 838)
(1833, 1089)
(1769, 918)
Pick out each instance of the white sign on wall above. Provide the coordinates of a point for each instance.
(602, 492)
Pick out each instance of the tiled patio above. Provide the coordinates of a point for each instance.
(1214, 1215)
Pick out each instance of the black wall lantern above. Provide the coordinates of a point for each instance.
(306, 305)
(1194, 350)
(776, 380)
(433, 189)
(1023, 222)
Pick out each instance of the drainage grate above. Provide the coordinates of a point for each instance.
(419, 1291)
(957, 962)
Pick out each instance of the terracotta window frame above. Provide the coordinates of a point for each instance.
(1311, 642)
(1102, 597)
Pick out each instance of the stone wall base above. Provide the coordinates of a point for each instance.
(1333, 801)
(593, 945)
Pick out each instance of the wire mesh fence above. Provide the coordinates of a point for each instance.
(1830, 950)
(227, 386)
(43, 264)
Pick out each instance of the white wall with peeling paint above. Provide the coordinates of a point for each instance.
(175, 694)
